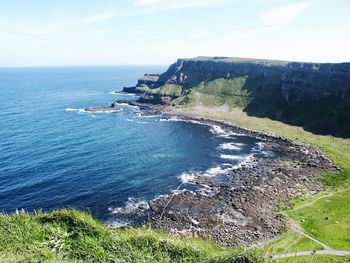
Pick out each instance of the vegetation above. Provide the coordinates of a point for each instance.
(328, 219)
(223, 91)
(261, 95)
(290, 241)
(167, 90)
(241, 60)
(73, 236)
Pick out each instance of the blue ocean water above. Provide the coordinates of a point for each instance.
(53, 154)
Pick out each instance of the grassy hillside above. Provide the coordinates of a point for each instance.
(73, 236)
(290, 241)
(167, 90)
(262, 97)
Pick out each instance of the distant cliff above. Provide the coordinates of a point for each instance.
(313, 95)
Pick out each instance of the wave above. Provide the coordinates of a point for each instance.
(148, 116)
(260, 145)
(176, 119)
(231, 146)
(190, 177)
(169, 119)
(215, 129)
(100, 111)
(124, 94)
(142, 122)
(231, 157)
(91, 112)
(71, 109)
(187, 177)
(132, 205)
(78, 110)
(221, 132)
(128, 105)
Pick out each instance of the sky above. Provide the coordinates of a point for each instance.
(150, 32)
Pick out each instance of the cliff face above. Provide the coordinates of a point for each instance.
(299, 81)
(314, 95)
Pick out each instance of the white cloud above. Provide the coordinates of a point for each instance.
(284, 14)
(155, 6)
(147, 2)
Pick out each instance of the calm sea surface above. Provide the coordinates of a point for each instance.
(53, 154)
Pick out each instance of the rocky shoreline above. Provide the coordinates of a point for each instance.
(240, 209)
(111, 108)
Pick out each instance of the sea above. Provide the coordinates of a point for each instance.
(54, 154)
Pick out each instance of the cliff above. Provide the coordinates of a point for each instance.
(313, 95)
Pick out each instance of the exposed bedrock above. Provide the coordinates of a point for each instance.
(242, 204)
(110, 108)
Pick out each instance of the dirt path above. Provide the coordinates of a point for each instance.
(319, 198)
(314, 201)
(318, 252)
(327, 250)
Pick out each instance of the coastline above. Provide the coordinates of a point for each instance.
(239, 211)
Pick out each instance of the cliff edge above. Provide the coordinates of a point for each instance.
(313, 95)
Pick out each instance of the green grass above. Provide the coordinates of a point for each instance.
(290, 241)
(327, 220)
(220, 91)
(73, 236)
(169, 89)
(240, 60)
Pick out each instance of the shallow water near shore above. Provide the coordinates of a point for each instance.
(54, 154)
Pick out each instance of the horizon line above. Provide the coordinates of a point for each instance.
(76, 66)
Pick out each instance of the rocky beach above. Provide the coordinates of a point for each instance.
(238, 203)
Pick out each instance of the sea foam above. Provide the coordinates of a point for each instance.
(132, 205)
(231, 146)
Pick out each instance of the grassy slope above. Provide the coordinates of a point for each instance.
(73, 236)
(290, 241)
(169, 89)
(261, 96)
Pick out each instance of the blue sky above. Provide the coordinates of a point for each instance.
(112, 32)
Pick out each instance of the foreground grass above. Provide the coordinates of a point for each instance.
(326, 219)
(73, 236)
